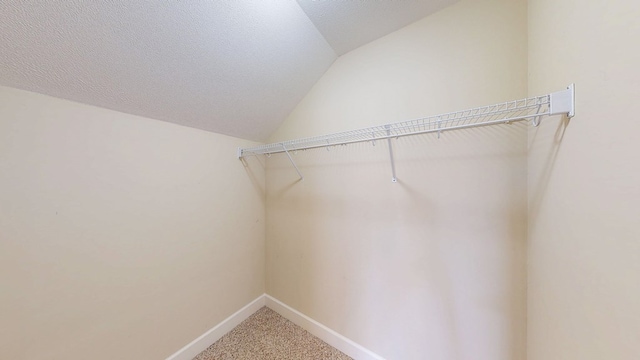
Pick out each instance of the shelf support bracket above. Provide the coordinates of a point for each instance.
(393, 165)
(292, 162)
(563, 102)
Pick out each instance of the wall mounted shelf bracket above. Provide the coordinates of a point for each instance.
(393, 165)
(563, 102)
(292, 162)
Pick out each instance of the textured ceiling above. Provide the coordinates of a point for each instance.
(233, 67)
(348, 24)
(228, 66)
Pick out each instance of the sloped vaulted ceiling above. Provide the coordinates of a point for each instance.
(348, 24)
(236, 67)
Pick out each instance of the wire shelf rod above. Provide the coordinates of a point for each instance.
(561, 102)
(248, 152)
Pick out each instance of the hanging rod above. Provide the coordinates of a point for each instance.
(532, 109)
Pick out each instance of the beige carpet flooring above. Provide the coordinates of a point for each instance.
(266, 335)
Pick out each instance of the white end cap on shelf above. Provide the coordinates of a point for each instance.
(563, 102)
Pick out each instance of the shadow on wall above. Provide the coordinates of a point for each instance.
(431, 266)
(545, 169)
(406, 259)
(255, 168)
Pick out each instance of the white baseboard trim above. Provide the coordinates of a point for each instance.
(340, 342)
(214, 334)
(347, 346)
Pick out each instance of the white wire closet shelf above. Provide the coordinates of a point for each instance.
(529, 109)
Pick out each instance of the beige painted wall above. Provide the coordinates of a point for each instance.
(584, 183)
(432, 267)
(120, 237)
